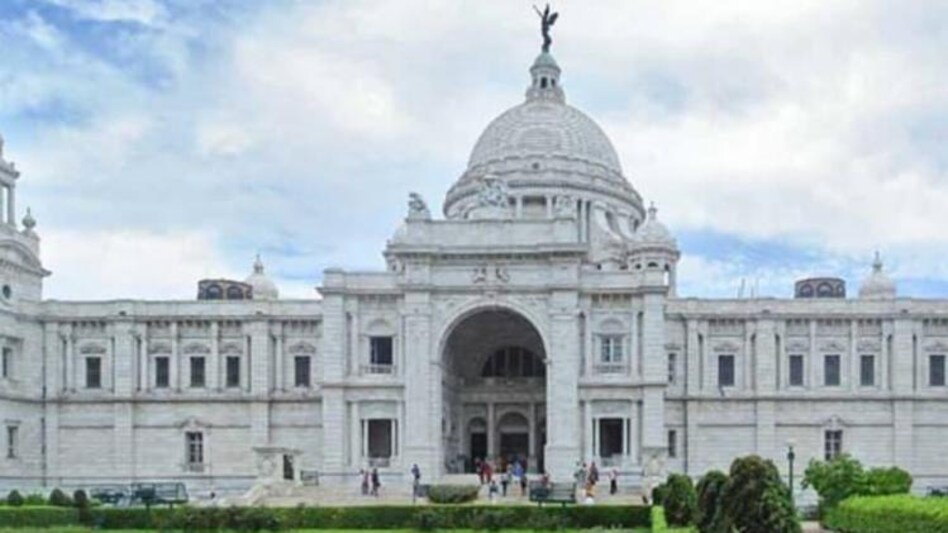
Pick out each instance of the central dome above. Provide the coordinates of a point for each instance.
(545, 148)
(548, 129)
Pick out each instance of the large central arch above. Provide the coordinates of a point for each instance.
(493, 390)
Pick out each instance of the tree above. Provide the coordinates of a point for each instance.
(843, 476)
(711, 518)
(14, 499)
(755, 499)
(59, 499)
(680, 500)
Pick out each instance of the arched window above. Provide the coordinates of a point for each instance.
(513, 362)
(234, 293)
(824, 290)
(214, 292)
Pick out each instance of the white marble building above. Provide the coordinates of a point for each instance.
(538, 318)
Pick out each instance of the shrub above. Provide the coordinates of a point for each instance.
(37, 517)
(81, 501)
(426, 521)
(834, 480)
(842, 477)
(755, 500)
(34, 500)
(680, 501)
(886, 481)
(452, 493)
(490, 520)
(658, 494)
(58, 498)
(889, 514)
(710, 516)
(14, 499)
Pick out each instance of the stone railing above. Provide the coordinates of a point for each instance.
(374, 369)
(380, 462)
(610, 368)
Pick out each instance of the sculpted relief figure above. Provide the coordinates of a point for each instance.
(564, 207)
(493, 192)
(417, 208)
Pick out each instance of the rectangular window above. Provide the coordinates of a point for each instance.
(162, 372)
(610, 349)
(12, 437)
(672, 443)
(233, 371)
(381, 352)
(672, 367)
(197, 372)
(831, 370)
(610, 437)
(93, 372)
(796, 370)
(381, 438)
(194, 448)
(936, 370)
(725, 371)
(832, 444)
(867, 370)
(7, 370)
(301, 371)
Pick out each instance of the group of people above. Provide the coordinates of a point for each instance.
(515, 473)
(588, 477)
(370, 481)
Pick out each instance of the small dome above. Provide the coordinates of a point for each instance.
(653, 233)
(263, 287)
(877, 285)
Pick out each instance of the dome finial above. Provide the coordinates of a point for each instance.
(547, 20)
(258, 265)
(652, 211)
(28, 221)
(877, 262)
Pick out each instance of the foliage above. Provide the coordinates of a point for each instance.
(14, 499)
(659, 493)
(445, 516)
(659, 524)
(844, 476)
(711, 518)
(81, 500)
(452, 493)
(34, 499)
(45, 517)
(680, 501)
(900, 513)
(755, 500)
(887, 481)
(58, 498)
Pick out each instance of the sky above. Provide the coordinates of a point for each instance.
(161, 142)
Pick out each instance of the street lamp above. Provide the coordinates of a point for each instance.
(790, 457)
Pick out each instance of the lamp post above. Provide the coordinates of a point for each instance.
(790, 457)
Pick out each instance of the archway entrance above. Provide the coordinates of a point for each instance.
(494, 386)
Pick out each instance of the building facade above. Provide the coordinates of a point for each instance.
(537, 319)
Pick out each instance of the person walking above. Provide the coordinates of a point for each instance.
(479, 468)
(504, 481)
(365, 481)
(415, 481)
(376, 483)
(613, 482)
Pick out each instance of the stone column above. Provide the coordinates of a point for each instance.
(333, 351)
(587, 431)
(11, 205)
(279, 374)
(491, 431)
(563, 417)
(356, 437)
(812, 382)
(174, 366)
(141, 346)
(766, 356)
(655, 378)
(532, 433)
(259, 363)
(423, 388)
(855, 364)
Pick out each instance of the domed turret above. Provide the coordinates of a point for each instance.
(653, 234)
(263, 287)
(877, 285)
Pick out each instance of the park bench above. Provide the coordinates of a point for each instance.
(938, 491)
(110, 494)
(561, 493)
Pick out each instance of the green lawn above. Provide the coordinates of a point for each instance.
(83, 530)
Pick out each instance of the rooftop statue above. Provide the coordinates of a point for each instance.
(547, 20)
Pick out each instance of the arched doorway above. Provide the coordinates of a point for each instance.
(494, 390)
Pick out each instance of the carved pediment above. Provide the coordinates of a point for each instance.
(232, 348)
(937, 346)
(834, 422)
(727, 346)
(92, 349)
(159, 347)
(193, 423)
(833, 346)
(798, 347)
(302, 347)
(868, 346)
(196, 348)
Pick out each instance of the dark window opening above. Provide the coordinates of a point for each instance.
(93, 372)
(513, 362)
(936, 370)
(197, 372)
(867, 370)
(233, 371)
(162, 372)
(725, 371)
(832, 444)
(796, 370)
(831, 370)
(381, 351)
(301, 371)
(610, 437)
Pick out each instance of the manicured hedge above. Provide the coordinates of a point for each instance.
(452, 493)
(38, 516)
(375, 517)
(889, 514)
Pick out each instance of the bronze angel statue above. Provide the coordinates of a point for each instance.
(547, 20)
